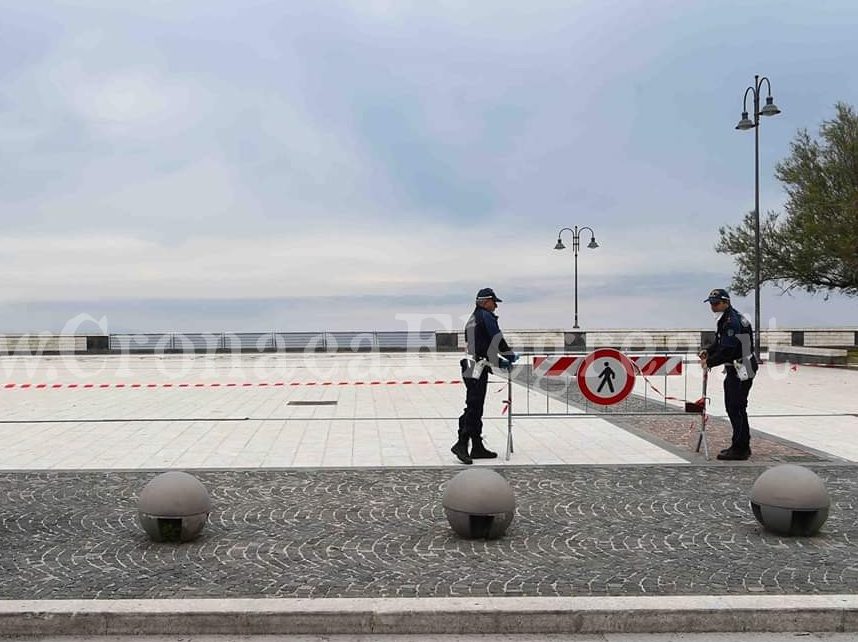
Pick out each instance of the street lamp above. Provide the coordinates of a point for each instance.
(769, 109)
(576, 243)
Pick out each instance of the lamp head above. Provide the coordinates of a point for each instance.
(745, 122)
(769, 109)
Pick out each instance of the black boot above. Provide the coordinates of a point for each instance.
(734, 454)
(478, 451)
(460, 449)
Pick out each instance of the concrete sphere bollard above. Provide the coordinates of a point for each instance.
(479, 504)
(790, 500)
(173, 507)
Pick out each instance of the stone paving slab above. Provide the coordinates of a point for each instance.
(578, 531)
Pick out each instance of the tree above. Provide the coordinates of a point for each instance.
(815, 246)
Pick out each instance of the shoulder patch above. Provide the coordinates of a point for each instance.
(744, 321)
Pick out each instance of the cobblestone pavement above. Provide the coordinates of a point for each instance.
(579, 530)
(674, 432)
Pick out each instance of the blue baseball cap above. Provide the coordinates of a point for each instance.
(718, 294)
(488, 293)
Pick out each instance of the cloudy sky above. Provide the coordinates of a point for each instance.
(337, 165)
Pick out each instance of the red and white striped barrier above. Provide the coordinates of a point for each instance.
(567, 366)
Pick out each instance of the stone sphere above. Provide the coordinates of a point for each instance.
(479, 504)
(173, 507)
(790, 500)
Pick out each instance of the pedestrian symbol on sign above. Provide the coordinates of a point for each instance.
(607, 376)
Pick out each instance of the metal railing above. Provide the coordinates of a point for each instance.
(544, 341)
(554, 392)
(272, 341)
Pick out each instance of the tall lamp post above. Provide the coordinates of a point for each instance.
(576, 243)
(769, 109)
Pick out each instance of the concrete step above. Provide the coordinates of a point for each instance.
(387, 616)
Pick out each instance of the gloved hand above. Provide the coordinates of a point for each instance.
(504, 364)
(512, 357)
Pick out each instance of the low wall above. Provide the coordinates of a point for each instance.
(534, 341)
(42, 344)
(809, 355)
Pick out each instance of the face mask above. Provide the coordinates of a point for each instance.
(717, 315)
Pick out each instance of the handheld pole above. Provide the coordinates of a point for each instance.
(508, 413)
(701, 439)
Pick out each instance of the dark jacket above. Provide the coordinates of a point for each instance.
(484, 337)
(734, 341)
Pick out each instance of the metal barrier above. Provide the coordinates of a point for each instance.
(659, 379)
(297, 341)
(140, 342)
(667, 341)
(272, 341)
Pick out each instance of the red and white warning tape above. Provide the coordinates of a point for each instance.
(231, 384)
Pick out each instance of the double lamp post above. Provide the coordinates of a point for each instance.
(769, 109)
(576, 243)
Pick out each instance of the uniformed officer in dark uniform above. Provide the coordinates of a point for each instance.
(486, 348)
(734, 349)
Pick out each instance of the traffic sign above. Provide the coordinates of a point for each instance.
(606, 376)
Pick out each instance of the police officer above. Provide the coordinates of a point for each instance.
(486, 348)
(734, 349)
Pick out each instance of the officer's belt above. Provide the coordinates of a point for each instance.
(472, 368)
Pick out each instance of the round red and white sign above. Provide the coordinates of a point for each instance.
(606, 376)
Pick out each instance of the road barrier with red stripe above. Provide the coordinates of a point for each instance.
(584, 386)
(567, 365)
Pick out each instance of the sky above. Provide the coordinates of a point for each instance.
(371, 164)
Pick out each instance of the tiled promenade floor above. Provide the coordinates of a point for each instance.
(216, 412)
(385, 410)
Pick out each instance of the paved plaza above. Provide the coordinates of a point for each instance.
(327, 473)
(389, 409)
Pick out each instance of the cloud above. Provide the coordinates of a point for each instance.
(360, 153)
(134, 101)
(422, 258)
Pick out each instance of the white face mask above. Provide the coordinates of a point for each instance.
(717, 315)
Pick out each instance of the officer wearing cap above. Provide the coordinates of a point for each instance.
(734, 349)
(486, 348)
